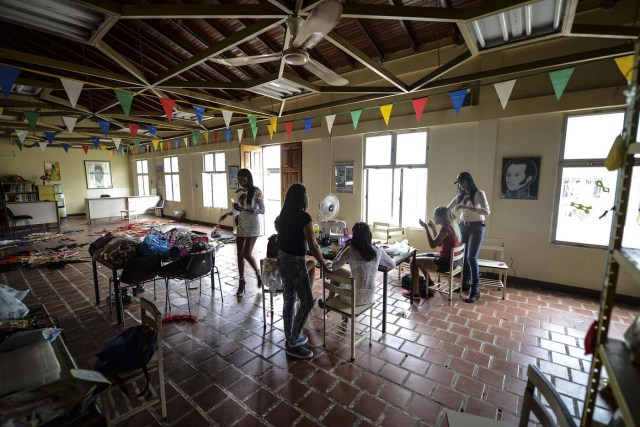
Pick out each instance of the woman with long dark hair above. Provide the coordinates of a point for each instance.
(247, 208)
(295, 236)
(473, 206)
(363, 259)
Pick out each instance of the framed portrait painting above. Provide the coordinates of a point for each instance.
(233, 177)
(520, 178)
(98, 174)
(53, 170)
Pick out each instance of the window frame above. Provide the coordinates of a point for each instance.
(138, 175)
(171, 174)
(212, 174)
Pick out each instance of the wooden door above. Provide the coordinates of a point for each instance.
(251, 158)
(291, 165)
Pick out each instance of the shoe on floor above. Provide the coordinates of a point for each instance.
(321, 303)
(465, 288)
(431, 283)
(473, 297)
(407, 294)
(299, 352)
(302, 340)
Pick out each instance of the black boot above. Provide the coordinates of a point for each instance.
(240, 290)
(473, 296)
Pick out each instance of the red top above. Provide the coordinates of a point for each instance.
(449, 242)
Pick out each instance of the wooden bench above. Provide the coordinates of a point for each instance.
(496, 265)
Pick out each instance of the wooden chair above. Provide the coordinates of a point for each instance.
(271, 284)
(444, 281)
(346, 288)
(559, 414)
(116, 405)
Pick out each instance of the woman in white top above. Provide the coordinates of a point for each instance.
(247, 208)
(472, 205)
(363, 259)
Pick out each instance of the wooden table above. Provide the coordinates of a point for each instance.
(116, 286)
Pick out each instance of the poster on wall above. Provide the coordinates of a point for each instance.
(53, 170)
(520, 178)
(344, 177)
(233, 177)
(160, 175)
(98, 174)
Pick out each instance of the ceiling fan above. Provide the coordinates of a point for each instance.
(305, 33)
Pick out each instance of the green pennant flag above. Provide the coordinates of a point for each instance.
(125, 99)
(195, 135)
(355, 118)
(254, 126)
(559, 80)
(136, 142)
(32, 118)
(19, 144)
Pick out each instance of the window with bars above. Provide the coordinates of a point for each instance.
(172, 179)
(142, 170)
(214, 181)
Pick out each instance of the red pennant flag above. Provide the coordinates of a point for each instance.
(418, 106)
(85, 147)
(215, 135)
(167, 106)
(133, 128)
(289, 127)
(169, 145)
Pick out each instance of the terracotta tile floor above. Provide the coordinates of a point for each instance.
(225, 369)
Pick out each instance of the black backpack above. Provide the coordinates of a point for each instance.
(422, 284)
(272, 246)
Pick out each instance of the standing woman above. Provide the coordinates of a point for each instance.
(295, 235)
(247, 208)
(472, 205)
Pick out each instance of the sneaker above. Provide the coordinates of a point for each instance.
(407, 294)
(473, 297)
(431, 283)
(299, 352)
(302, 340)
(465, 288)
(321, 303)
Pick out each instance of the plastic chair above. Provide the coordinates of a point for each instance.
(346, 288)
(271, 284)
(159, 207)
(444, 281)
(532, 403)
(138, 270)
(15, 218)
(111, 398)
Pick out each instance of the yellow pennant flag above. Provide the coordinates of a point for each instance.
(385, 110)
(111, 153)
(155, 144)
(274, 123)
(625, 64)
(270, 131)
(103, 147)
(206, 137)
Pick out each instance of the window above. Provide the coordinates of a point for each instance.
(142, 169)
(396, 165)
(586, 188)
(214, 181)
(172, 179)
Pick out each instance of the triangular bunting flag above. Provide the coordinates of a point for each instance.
(385, 110)
(330, 119)
(215, 136)
(355, 118)
(227, 134)
(8, 76)
(116, 142)
(70, 122)
(50, 136)
(85, 147)
(65, 147)
(19, 144)
(32, 118)
(195, 135)
(625, 65)
(136, 142)
(133, 129)
(199, 113)
(240, 132)
(186, 141)
(125, 98)
(155, 144)
(178, 143)
(96, 141)
(307, 125)
(270, 129)
(418, 107)
(169, 145)
(206, 137)
(559, 80)
(104, 126)
(504, 91)
(43, 145)
(457, 99)
(73, 89)
(274, 123)
(152, 131)
(289, 128)
(226, 115)
(103, 147)
(254, 126)
(167, 106)
(22, 134)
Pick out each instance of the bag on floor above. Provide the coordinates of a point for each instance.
(407, 284)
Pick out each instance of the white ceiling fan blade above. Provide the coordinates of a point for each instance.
(320, 21)
(325, 73)
(247, 60)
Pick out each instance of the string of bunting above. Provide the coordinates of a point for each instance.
(8, 76)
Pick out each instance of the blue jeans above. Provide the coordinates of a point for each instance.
(472, 236)
(295, 279)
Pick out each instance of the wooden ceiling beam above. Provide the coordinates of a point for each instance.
(442, 70)
(407, 13)
(202, 85)
(201, 11)
(360, 89)
(405, 27)
(232, 105)
(604, 31)
(282, 5)
(123, 62)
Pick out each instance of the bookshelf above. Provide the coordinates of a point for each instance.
(24, 191)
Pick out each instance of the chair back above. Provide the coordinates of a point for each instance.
(10, 213)
(345, 287)
(457, 256)
(140, 269)
(533, 403)
(150, 315)
(160, 204)
(199, 265)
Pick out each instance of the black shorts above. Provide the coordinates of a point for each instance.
(442, 263)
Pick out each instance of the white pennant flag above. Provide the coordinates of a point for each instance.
(240, 132)
(70, 122)
(22, 134)
(330, 120)
(186, 141)
(43, 145)
(117, 141)
(73, 89)
(504, 91)
(226, 115)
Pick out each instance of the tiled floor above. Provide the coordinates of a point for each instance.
(225, 369)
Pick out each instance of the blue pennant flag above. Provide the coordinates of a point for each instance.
(199, 113)
(152, 131)
(177, 143)
(227, 134)
(50, 136)
(96, 141)
(457, 99)
(307, 125)
(8, 76)
(104, 126)
(65, 147)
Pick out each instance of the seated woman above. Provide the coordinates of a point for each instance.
(447, 238)
(363, 259)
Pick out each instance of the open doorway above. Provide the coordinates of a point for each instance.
(272, 198)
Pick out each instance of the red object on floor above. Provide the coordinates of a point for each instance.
(407, 294)
(179, 317)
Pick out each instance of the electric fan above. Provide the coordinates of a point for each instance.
(330, 228)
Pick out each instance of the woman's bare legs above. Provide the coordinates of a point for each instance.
(240, 245)
(425, 265)
(311, 270)
(249, 243)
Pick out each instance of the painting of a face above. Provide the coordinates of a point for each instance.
(515, 176)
